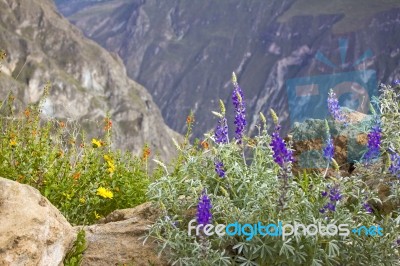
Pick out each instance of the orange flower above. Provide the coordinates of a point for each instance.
(189, 119)
(76, 176)
(204, 144)
(146, 153)
(62, 124)
(108, 124)
(27, 113)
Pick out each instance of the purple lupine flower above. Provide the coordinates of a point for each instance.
(219, 168)
(394, 168)
(368, 207)
(329, 149)
(221, 132)
(238, 103)
(374, 142)
(282, 155)
(204, 210)
(398, 241)
(334, 108)
(331, 206)
(334, 194)
(334, 197)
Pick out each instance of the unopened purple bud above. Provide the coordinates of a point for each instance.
(240, 109)
(221, 132)
(334, 108)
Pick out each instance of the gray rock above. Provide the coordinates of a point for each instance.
(32, 231)
(118, 239)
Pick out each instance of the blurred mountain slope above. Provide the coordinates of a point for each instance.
(184, 51)
(87, 81)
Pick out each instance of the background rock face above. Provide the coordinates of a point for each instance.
(120, 239)
(183, 52)
(350, 142)
(87, 81)
(32, 230)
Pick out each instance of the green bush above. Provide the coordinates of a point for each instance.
(75, 255)
(254, 189)
(85, 181)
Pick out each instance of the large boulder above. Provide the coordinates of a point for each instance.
(32, 230)
(118, 239)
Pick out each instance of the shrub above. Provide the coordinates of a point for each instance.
(249, 180)
(84, 180)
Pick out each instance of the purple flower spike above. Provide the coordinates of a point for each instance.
(374, 142)
(394, 168)
(329, 149)
(221, 132)
(324, 193)
(204, 210)
(282, 155)
(334, 108)
(219, 168)
(240, 109)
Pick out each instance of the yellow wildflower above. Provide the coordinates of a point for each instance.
(13, 143)
(103, 192)
(107, 158)
(111, 167)
(96, 215)
(82, 200)
(110, 163)
(96, 143)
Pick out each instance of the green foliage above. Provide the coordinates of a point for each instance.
(74, 256)
(389, 107)
(249, 193)
(85, 181)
